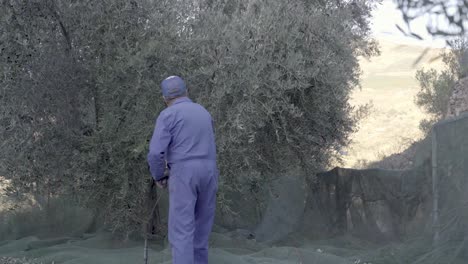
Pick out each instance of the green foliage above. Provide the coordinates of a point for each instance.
(457, 59)
(39, 110)
(436, 87)
(435, 91)
(70, 98)
(79, 91)
(277, 78)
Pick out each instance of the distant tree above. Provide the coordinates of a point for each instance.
(436, 87)
(434, 95)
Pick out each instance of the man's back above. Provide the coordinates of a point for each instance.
(191, 127)
(184, 138)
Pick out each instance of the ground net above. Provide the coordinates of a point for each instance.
(226, 248)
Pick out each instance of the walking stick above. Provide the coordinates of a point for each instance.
(151, 218)
(152, 215)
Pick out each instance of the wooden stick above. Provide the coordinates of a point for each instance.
(149, 221)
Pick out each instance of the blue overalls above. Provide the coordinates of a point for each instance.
(184, 137)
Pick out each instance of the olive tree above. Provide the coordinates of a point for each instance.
(277, 77)
(79, 91)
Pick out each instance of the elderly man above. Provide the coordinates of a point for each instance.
(184, 140)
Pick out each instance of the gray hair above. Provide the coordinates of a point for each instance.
(170, 98)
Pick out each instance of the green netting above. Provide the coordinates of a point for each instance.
(287, 200)
(225, 249)
(450, 163)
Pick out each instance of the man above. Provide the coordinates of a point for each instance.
(184, 140)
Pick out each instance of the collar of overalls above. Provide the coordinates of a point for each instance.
(180, 100)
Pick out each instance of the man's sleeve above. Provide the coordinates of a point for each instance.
(158, 147)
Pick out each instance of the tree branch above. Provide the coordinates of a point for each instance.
(54, 10)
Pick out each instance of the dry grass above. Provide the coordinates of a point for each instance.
(388, 82)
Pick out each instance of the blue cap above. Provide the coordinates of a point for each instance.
(173, 86)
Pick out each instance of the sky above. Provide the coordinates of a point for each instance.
(384, 21)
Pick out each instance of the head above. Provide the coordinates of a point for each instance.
(173, 87)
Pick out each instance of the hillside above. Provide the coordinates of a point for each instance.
(388, 82)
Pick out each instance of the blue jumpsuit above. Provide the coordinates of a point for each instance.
(184, 137)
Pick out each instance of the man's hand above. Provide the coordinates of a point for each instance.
(162, 184)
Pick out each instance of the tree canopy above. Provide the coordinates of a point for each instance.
(80, 90)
